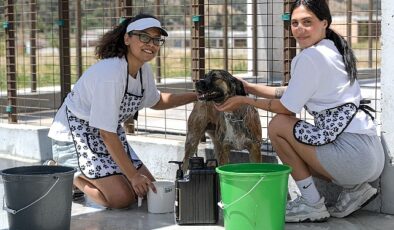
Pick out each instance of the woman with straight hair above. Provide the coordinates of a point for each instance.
(342, 146)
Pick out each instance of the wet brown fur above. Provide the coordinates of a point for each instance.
(238, 130)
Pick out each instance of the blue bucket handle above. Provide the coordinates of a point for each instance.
(12, 211)
(223, 206)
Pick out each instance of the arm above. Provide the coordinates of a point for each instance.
(171, 100)
(139, 182)
(270, 102)
(264, 91)
(271, 105)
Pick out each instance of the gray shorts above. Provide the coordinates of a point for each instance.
(352, 158)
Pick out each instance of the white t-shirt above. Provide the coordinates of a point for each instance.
(97, 95)
(319, 81)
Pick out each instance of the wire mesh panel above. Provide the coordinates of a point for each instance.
(45, 45)
(359, 22)
(29, 69)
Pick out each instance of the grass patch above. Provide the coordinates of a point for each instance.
(364, 44)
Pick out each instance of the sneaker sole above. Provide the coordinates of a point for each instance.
(352, 209)
(316, 218)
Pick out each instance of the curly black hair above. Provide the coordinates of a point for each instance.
(111, 44)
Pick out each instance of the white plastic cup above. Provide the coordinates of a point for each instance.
(163, 201)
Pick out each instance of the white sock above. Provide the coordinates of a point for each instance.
(308, 190)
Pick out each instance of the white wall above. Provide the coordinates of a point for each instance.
(25, 142)
(387, 86)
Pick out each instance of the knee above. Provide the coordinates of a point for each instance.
(119, 201)
(274, 126)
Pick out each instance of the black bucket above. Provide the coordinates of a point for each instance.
(38, 197)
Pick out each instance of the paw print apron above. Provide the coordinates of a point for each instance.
(329, 124)
(93, 157)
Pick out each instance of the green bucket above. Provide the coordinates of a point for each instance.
(253, 195)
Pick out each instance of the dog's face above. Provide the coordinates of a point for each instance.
(218, 86)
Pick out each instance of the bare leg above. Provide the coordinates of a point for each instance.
(113, 191)
(299, 156)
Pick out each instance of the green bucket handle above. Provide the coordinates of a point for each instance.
(223, 206)
(27, 206)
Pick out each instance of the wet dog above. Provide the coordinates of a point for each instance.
(237, 130)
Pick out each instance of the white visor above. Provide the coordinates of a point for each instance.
(145, 23)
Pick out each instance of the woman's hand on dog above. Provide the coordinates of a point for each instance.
(244, 83)
(231, 104)
(141, 184)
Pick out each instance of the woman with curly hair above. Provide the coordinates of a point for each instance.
(87, 131)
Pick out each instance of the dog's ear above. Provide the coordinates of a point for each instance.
(239, 88)
(237, 84)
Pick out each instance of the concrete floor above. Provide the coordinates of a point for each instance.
(88, 216)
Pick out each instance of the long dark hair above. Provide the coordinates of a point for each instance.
(322, 11)
(111, 44)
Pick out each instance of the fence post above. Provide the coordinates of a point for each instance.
(225, 35)
(158, 56)
(33, 45)
(198, 40)
(255, 69)
(198, 43)
(10, 27)
(78, 36)
(127, 6)
(64, 48)
(289, 43)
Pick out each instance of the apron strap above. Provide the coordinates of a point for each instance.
(135, 117)
(366, 108)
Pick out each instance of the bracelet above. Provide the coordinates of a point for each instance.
(269, 105)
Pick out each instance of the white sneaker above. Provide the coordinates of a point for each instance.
(350, 200)
(50, 163)
(300, 210)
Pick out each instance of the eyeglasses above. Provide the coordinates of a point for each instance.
(146, 39)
